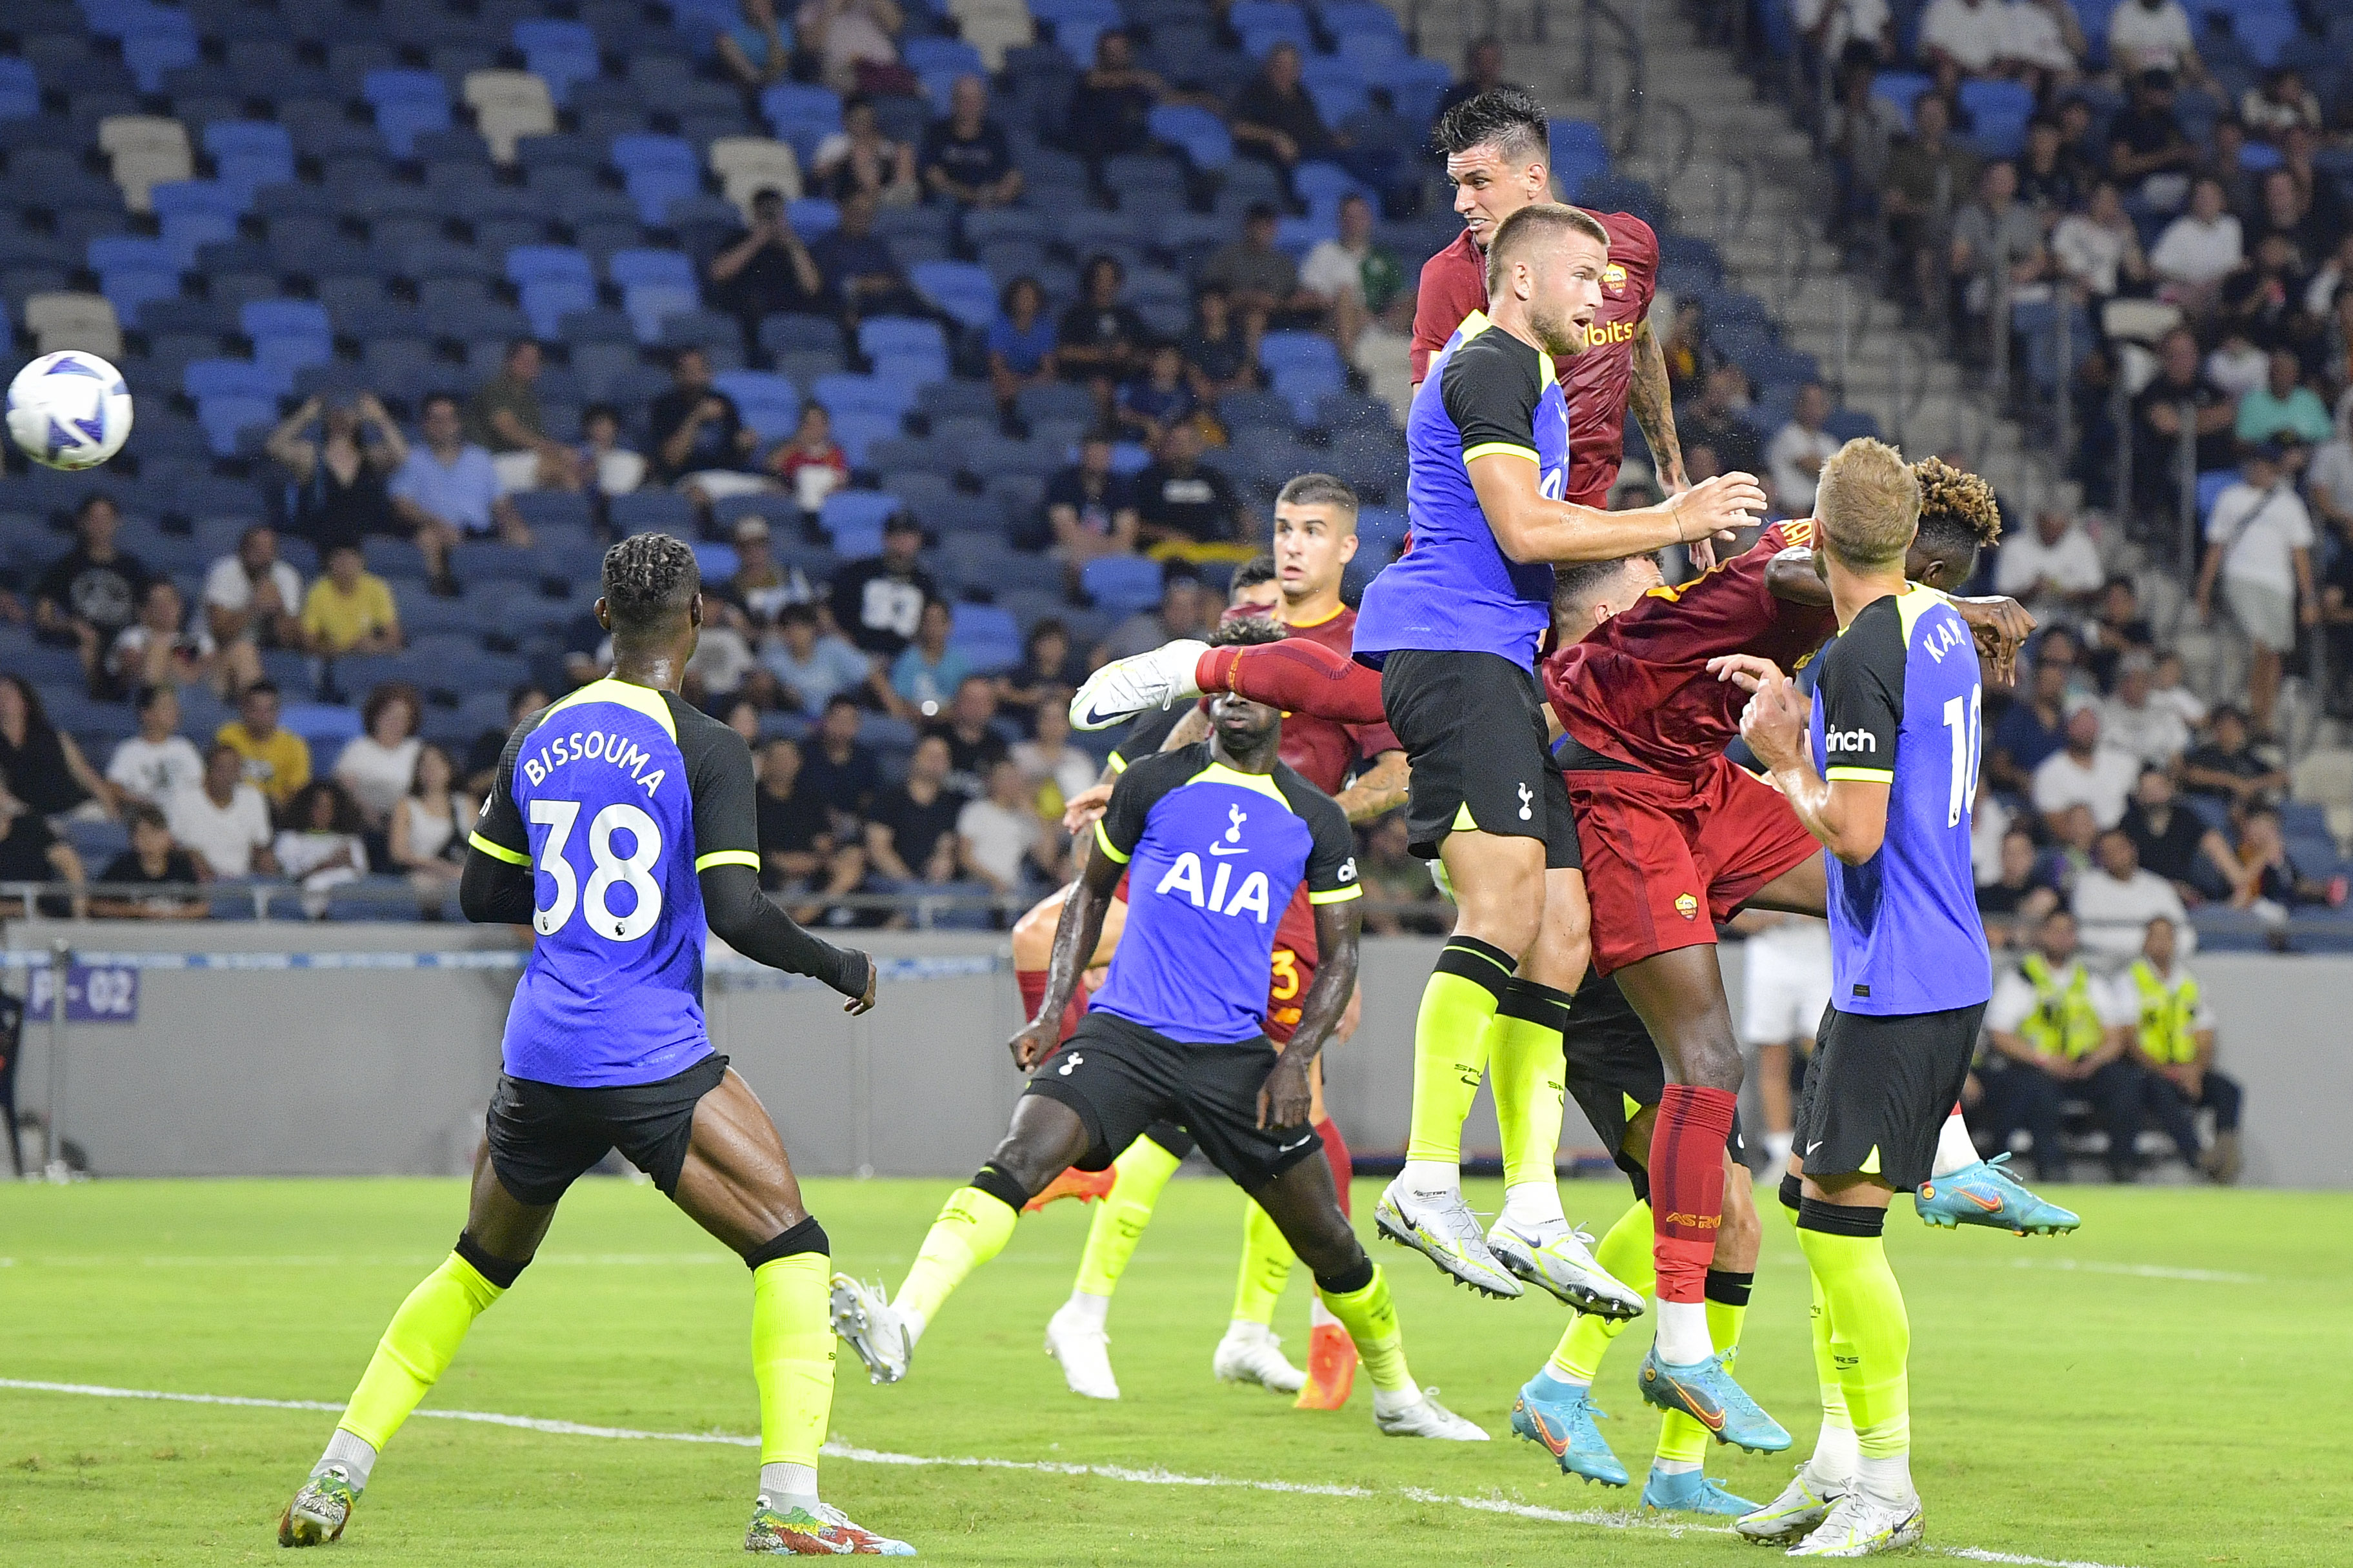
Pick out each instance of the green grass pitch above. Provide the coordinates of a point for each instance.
(2167, 1387)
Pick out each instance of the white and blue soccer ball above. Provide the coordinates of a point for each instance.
(69, 410)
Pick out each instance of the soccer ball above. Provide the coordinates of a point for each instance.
(69, 410)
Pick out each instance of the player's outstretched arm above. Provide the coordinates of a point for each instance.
(1075, 936)
(1283, 1099)
(746, 919)
(1530, 528)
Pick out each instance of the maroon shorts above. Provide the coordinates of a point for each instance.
(1666, 857)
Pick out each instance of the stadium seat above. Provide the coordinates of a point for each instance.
(549, 301)
(987, 637)
(145, 151)
(844, 394)
(639, 266)
(65, 319)
(1197, 133)
(964, 290)
(561, 54)
(656, 171)
(509, 106)
(881, 337)
(1121, 585)
(226, 419)
(651, 304)
(544, 263)
(747, 164)
(801, 115)
(652, 510)
(768, 404)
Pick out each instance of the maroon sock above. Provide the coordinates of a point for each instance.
(1687, 1185)
(1298, 677)
(1335, 1154)
(1032, 982)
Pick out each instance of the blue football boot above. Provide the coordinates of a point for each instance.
(1985, 1193)
(1691, 1491)
(1705, 1392)
(1560, 1416)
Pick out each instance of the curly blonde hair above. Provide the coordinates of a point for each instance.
(1956, 506)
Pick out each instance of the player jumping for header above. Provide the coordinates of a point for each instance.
(634, 813)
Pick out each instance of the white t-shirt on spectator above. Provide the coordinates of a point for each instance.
(227, 585)
(2032, 34)
(723, 659)
(225, 835)
(1974, 36)
(2089, 253)
(2025, 562)
(2141, 38)
(1990, 823)
(2113, 917)
(2194, 252)
(999, 836)
(1333, 269)
(378, 774)
(1864, 19)
(1793, 488)
(2259, 529)
(2182, 700)
(2153, 733)
(155, 771)
(2104, 783)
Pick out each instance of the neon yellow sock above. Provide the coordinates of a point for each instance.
(1267, 1258)
(1529, 1073)
(416, 1349)
(1371, 1320)
(1139, 1174)
(1870, 1337)
(1449, 1045)
(1679, 1436)
(972, 1227)
(1826, 1378)
(792, 1356)
(1625, 1252)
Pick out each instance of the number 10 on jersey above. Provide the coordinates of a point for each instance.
(606, 869)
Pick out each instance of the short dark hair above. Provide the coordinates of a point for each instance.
(92, 501)
(146, 813)
(1578, 581)
(597, 410)
(1318, 489)
(425, 405)
(1252, 572)
(648, 581)
(258, 689)
(385, 695)
(1959, 514)
(516, 346)
(1506, 116)
(767, 194)
(146, 697)
(797, 615)
(841, 700)
(1259, 212)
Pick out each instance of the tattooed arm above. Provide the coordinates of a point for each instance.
(1654, 405)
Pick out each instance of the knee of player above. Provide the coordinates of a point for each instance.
(1710, 1059)
(1331, 1249)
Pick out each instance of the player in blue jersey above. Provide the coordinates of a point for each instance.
(622, 821)
(1881, 768)
(1453, 627)
(1214, 839)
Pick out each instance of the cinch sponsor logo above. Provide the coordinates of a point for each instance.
(1601, 333)
(1849, 741)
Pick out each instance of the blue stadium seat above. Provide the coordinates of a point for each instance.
(1197, 133)
(651, 304)
(229, 378)
(652, 510)
(872, 395)
(1901, 90)
(769, 404)
(549, 301)
(226, 419)
(641, 265)
(786, 334)
(541, 263)
(656, 171)
(720, 337)
(150, 54)
(562, 54)
(854, 520)
(884, 336)
(987, 637)
(1121, 585)
(964, 290)
(802, 115)
(2211, 486)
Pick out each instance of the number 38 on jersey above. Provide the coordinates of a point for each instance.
(612, 870)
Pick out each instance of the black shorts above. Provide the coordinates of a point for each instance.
(1472, 724)
(1171, 1136)
(1878, 1091)
(1122, 1078)
(546, 1136)
(1615, 1073)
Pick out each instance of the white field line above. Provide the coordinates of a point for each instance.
(1602, 1518)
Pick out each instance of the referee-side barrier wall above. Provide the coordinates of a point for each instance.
(381, 1065)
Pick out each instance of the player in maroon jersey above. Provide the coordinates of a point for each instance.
(1498, 154)
(1314, 539)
